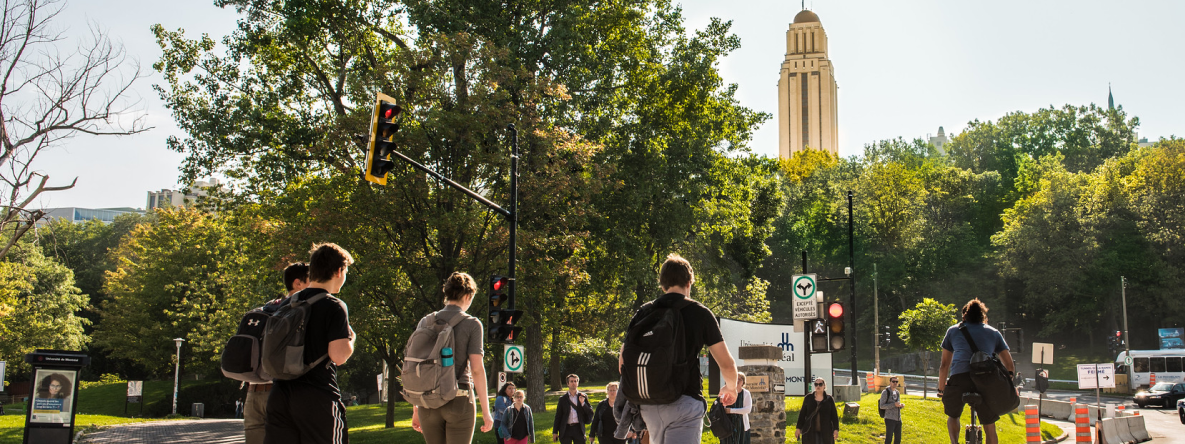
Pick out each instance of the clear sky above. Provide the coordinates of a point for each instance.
(903, 68)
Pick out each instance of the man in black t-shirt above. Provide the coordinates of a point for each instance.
(682, 421)
(309, 409)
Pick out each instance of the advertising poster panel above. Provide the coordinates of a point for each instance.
(53, 396)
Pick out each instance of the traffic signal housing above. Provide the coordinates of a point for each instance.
(818, 335)
(384, 124)
(836, 339)
(887, 336)
(503, 321)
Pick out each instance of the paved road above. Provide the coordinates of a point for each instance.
(1164, 425)
(208, 431)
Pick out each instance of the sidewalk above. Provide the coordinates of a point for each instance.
(209, 431)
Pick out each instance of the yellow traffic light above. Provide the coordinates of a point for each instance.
(384, 124)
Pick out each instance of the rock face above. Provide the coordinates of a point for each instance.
(767, 422)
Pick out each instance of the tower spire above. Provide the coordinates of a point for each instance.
(1110, 98)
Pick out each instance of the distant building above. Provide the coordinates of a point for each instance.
(180, 198)
(939, 140)
(807, 92)
(80, 215)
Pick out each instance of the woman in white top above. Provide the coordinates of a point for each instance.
(740, 410)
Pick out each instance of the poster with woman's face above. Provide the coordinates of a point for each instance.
(53, 396)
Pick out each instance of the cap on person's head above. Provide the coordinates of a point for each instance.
(326, 259)
(675, 272)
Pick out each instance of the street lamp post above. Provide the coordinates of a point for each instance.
(177, 374)
(1127, 348)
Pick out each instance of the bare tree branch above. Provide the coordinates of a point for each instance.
(49, 93)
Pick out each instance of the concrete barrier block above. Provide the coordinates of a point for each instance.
(1122, 431)
(847, 393)
(1109, 431)
(1136, 425)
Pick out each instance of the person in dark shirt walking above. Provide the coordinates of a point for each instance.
(818, 421)
(518, 424)
(572, 412)
(682, 421)
(309, 409)
(603, 422)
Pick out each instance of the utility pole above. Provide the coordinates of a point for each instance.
(852, 281)
(806, 342)
(876, 322)
(1127, 348)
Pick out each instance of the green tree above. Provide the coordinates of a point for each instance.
(923, 327)
(188, 274)
(38, 306)
(620, 113)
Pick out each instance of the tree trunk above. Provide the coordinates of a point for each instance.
(557, 382)
(535, 386)
(925, 374)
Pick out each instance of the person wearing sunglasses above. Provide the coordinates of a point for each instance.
(818, 421)
(890, 403)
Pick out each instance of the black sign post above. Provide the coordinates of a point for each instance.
(53, 397)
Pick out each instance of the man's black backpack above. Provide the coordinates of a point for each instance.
(242, 356)
(992, 380)
(654, 369)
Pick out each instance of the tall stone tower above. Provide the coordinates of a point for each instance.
(807, 114)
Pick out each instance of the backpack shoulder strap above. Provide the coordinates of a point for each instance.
(970, 340)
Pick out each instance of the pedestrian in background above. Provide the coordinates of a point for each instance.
(739, 412)
(572, 412)
(518, 424)
(890, 402)
(821, 425)
(502, 402)
(603, 421)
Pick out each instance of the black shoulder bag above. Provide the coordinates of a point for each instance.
(991, 379)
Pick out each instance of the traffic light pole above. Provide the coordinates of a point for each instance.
(513, 215)
(806, 342)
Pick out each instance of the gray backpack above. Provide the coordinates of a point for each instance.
(427, 381)
(284, 339)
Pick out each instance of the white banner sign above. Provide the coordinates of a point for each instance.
(135, 388)
(1092, 376)
(738, 333)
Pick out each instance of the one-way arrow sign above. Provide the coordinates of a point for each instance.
(512, 361)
